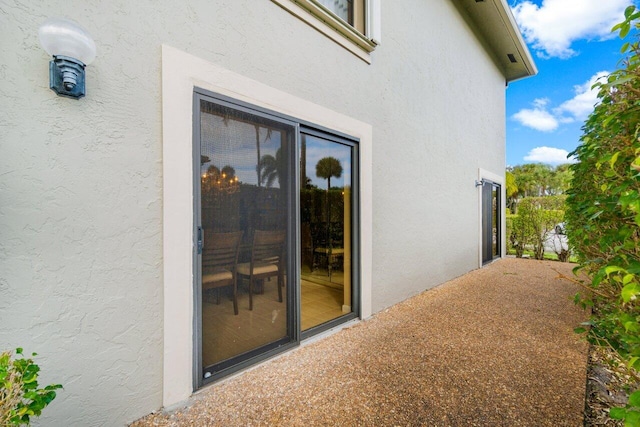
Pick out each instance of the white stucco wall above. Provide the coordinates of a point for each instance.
(81, 208)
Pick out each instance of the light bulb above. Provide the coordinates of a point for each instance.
(64, 37)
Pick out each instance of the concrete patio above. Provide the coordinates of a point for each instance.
(494, 347)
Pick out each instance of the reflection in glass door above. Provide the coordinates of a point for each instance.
(244, 220)
(325, 229)
(490, 221)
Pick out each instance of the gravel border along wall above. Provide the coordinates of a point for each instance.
(494, 347)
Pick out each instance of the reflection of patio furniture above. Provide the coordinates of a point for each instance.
(219, 261)
(266, 261)
(328, 253)
(329, 258)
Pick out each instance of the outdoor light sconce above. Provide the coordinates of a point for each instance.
(479, 183)
(72, 49)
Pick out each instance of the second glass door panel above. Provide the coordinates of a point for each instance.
(325, 230)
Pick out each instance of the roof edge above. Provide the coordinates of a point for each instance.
(517, 38)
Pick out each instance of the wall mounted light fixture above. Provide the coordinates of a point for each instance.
(72, 49)
(480, 183)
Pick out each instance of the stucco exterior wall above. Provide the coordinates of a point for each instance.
(81, 262)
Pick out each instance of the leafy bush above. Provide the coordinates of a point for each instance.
(20, 397)
(603, 217)
(536, 219)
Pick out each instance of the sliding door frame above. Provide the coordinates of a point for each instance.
(293, 265)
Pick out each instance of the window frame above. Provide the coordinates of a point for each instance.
(331, 25)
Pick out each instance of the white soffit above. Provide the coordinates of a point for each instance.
(495, 23)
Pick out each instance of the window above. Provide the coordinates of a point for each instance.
(354, 24)
(350, 11)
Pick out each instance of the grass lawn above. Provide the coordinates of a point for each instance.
(552, 256)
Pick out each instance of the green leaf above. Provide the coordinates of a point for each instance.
(632, 419)
(612, 269)
(634, 399)
(622, 80)
(629, 292)
(624, 29)
(579, 330)
(628, 11)
(617, 413)
(632, 327)
(614, 159)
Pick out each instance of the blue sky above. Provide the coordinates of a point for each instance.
(571, 44)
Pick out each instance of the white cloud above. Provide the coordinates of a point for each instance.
(581, 105)
(577, 108)
(538, 117)
(554, 156)
(553, 26)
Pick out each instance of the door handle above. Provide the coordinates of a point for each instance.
(200, 240)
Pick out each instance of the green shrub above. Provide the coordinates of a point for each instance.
(603, 217)
(537, 217)
(20, 397)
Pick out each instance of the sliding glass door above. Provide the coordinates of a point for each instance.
(274, 231)
(490, 221)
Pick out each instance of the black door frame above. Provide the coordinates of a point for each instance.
(294, 334)
(488, 188)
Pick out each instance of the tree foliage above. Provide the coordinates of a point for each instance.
(272, 168)
(327, 168)
(603, 218)
(531, 227)
(535, 180)
(20, 396)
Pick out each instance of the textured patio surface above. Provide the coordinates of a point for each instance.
(494, 347)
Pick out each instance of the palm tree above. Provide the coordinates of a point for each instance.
(328, 167)
(268, 136)
(271, 168)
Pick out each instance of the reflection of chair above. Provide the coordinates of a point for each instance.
(266, 261)
(219, 261)
(328, 253)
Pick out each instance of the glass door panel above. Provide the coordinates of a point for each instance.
(490, 221)
(495, 221)
(244, 212)
(325, 230)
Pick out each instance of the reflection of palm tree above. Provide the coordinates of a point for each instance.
(328, 167)
(268, 136)
(271, 168)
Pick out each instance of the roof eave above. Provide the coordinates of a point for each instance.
(495, 24)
